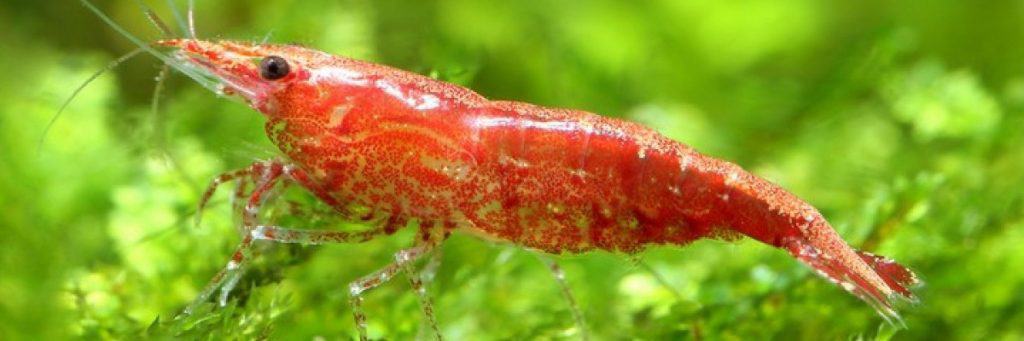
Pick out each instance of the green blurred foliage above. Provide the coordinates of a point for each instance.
(900, 120)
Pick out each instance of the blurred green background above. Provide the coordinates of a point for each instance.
(901, 121)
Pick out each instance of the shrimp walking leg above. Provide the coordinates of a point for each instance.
(311, 237)
(283, 235)
(238, 201)
(427, 275)
(228, 277)
(559, 275)
(417, 283)
(266, 176)
(229, 274)
(403, 262)
(430, 269)
(238, 174)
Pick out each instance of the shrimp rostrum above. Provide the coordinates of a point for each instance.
(390, 146)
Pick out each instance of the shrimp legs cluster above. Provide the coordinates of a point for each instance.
(266, 178)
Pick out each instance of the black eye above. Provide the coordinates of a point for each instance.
(273, 67)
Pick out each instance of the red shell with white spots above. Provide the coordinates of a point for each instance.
(381, 143)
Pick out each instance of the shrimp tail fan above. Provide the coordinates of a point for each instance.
(877, 280)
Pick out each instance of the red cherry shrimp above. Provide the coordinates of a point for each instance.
(387, 146)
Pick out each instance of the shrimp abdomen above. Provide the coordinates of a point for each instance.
(564, 180)
(571, 181)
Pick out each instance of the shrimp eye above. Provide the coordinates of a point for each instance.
(273, 67)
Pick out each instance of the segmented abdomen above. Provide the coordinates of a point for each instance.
(567, 181)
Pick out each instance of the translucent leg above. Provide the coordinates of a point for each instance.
(228, 274)
(430, 269)
(228, 277)
(238, 201)
(427, 275)
(403, 262)
(266, 176)
(257, 168)
(311, 237)
(559, 275)
(418, 286)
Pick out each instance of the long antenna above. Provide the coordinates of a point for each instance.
(190, 72)
(153, 18)
(191, 19)
(97, 74)
(177, 15)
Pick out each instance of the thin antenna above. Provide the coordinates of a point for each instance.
(97, 74)
(155, 106)
(266, 38)
(177, 15)
(191, 72)
(160, 138)
(191, 19)
(153, 18)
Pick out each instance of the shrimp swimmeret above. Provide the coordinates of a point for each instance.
(387, 147)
